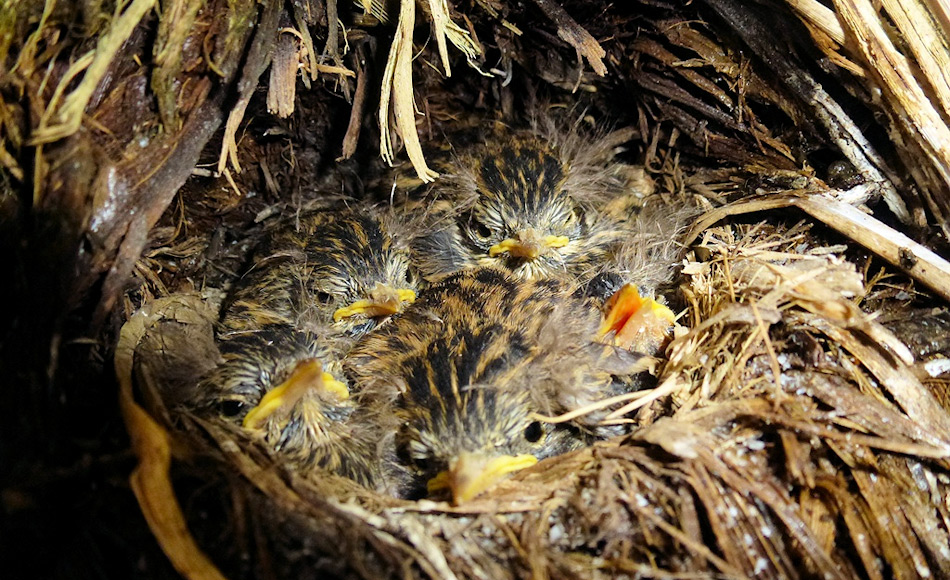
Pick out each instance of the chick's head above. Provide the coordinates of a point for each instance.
(468, 368)
(342, 267)
(465, 439)
(255, 364)
(517, 207)
(277, 385)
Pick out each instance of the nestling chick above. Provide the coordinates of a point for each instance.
(533, 203)
(275, 383)
(627, 284)
(470, 366)
(340, 265)
(550, 204)
(312, 289)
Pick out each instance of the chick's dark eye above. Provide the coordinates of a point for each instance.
(481, 230)
(324, 297)
(534, 432)
(231, 408)
(422, 463)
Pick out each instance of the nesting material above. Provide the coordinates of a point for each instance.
(786, 437)
(826, 206)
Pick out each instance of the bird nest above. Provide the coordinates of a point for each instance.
(786, 437)
(798, 424)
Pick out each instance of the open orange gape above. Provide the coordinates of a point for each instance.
(636, 323)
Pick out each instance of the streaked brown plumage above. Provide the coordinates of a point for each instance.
(467, 368)
(548, 203)
(314, 422)
(305, 272)
(537, 203)
(313, 287)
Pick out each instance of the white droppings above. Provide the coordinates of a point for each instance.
(920, 476)
(105, 213)
(937, 367)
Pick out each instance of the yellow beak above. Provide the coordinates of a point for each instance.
(472, 473)
(527, 244)
(307, 375)
(382, 301)
(639, 324)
